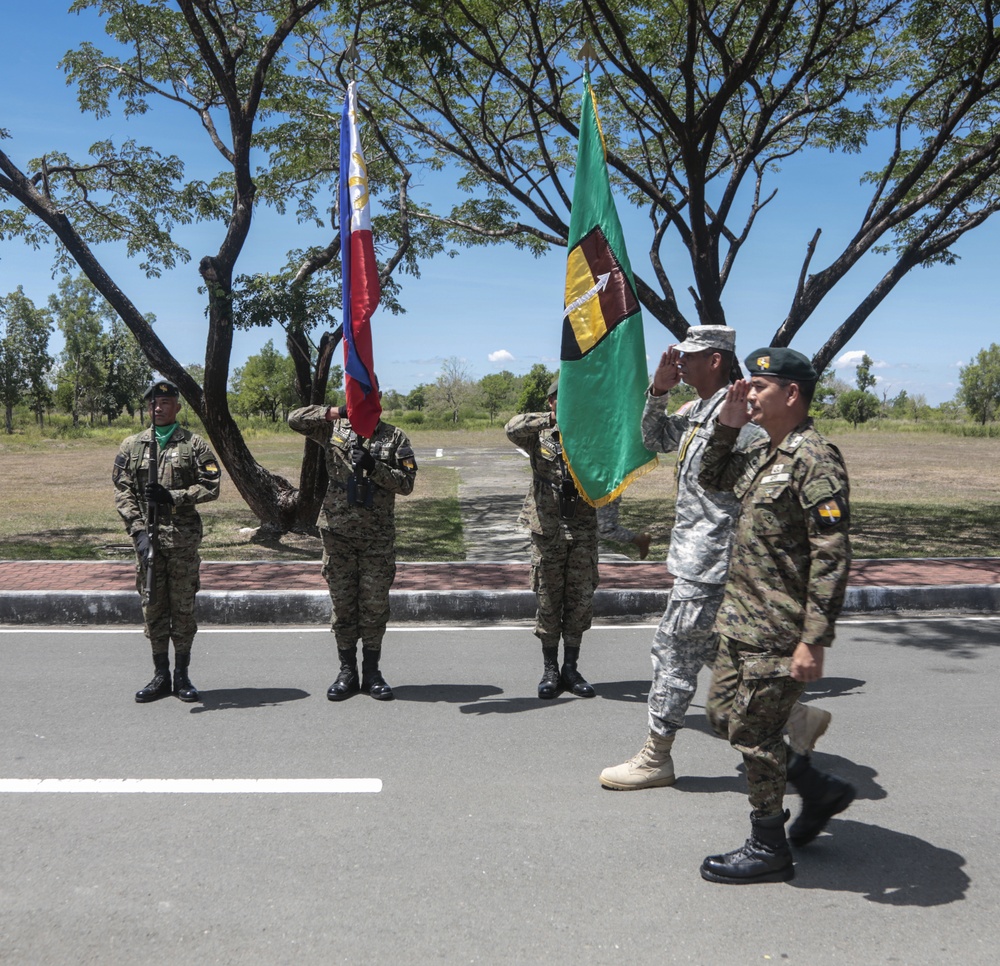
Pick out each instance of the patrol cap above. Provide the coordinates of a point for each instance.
(554, 388)
(160, 387)
(702, 337)
(781, 362)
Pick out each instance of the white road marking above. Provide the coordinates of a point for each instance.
(193, 786)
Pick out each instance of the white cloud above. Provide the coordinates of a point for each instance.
(501, 355)
(849, 359)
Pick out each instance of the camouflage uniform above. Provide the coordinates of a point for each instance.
(189, 470)
(787, 580)
(685, 640)
(563, 549)
(359, 541)
(608, 527)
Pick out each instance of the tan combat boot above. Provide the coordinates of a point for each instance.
(805, 727)
(651, 768)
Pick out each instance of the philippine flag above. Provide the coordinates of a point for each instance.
(360, 271)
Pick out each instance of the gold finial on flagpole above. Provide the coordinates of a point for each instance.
(588, 55)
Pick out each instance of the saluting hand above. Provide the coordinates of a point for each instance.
(735, 411)
(668, 373)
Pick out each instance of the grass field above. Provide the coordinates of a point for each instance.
(913, 495)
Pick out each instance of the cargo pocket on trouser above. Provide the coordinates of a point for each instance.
(764, 698)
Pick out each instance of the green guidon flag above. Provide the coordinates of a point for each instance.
(602, 376)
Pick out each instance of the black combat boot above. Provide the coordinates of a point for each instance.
(764, 857)
(183, 687)
(347, 682)
(572, 679)
(159, 687)
(823, 796)
(548, 687)
(372, 681)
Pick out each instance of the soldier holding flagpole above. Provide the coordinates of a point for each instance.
(368, 461)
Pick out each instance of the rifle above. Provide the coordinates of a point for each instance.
(152, 511)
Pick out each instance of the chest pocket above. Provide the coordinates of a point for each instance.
(773, 506)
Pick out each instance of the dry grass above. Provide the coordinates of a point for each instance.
(919, 495)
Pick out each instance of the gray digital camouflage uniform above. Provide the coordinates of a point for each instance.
(190, 471)
(564, 571)
(608, 527)
(359, 540)
(787, 580)
(700, 542)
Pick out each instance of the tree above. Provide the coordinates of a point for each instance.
(979, 388)
(498, 391)
(701, 105)
(81, 314)
(453, 389)
(227, 65)
(857, 406)
(865, 378)
(534, 396)
(265, 385)
(417, 398)
(127, 373)
(24, 356)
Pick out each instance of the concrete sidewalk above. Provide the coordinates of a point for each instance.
(98, 592)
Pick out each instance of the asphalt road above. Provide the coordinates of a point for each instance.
(490, 840)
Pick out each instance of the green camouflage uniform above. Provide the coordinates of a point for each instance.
(563, 550)
(359, 541)
(787, 580)
(189, 470)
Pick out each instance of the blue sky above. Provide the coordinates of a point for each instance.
(498, 308)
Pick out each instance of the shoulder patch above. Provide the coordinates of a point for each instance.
(210, 469)
(830, 513)
(121, 462)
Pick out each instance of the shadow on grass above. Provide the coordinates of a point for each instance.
(429, 530)
(71, 543)
(880, 530)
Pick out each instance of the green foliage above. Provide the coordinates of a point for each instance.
(24, 356)
(865, 378)
(980, 385)
(858, 406)
(534, 395)
(265, 385)
(498, 392)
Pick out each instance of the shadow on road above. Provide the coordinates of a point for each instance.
(449, 693)
(882, 865)
(225, 699)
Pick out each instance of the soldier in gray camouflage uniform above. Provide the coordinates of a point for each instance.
(187, 473)
(358, 526)
(787, 580)
(563, 530)
(700, 542)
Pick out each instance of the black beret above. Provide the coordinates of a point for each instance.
(781, 362)
(160, 387)
(554, 388)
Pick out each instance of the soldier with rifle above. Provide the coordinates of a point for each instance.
(160, 475)
(358, 527)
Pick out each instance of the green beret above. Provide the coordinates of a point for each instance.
(554, 388)
(160, 387)
(781, 362)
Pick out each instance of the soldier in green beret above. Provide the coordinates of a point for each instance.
(785, 589)
(184, 474)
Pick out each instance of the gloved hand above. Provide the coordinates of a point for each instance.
(159, 494)
(362, 459)
(141, 541)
